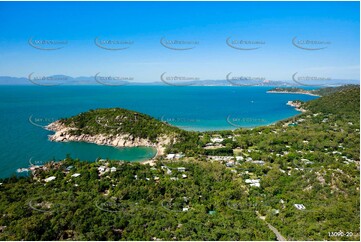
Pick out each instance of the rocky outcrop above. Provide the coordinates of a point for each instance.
(296, 105)
(62, 134)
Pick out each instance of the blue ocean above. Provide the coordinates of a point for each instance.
(25, 109)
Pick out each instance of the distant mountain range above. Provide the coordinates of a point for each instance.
(83, 80)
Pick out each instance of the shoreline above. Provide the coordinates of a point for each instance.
(305, 93)
(61, 134)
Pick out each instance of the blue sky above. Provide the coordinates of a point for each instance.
(209, 23)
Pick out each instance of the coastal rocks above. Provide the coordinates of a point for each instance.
(297, 105)
(62, 134)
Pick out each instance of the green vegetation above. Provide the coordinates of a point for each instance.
(314, 163)
(119, 121)
(120, 206)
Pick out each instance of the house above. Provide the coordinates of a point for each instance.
(170, 156)
(185, 209)
(230, 164)
(239, 158)
(258, 162)
(178, 156)
(101, 168)
(253, 182)
(300, 206)
(174, 179)
(181, 169)
(50, 179)
(69, 168)
(184, 176)
(216, 140)
(113, 169)
(211, 212)
(156, 178)
(75, 175)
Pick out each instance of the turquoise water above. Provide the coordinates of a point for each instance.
(24, 109)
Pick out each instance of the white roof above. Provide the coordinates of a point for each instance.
(252, 180)
(300, 206)
(75, 175)
(184, 176)
(170, 156)
(255, 185)
(216, 139)
(50, 178)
